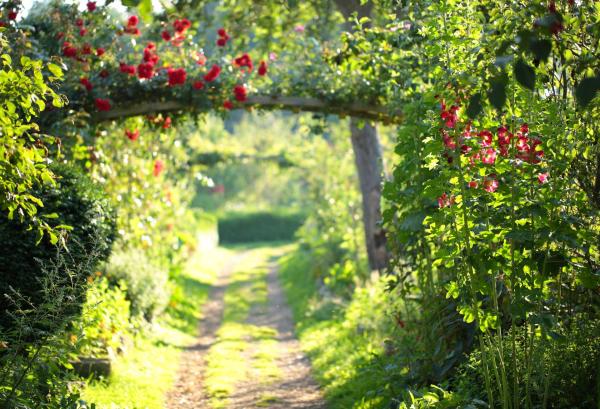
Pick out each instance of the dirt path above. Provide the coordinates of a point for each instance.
(292, 388)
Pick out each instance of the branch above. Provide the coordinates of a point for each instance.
(358, 110)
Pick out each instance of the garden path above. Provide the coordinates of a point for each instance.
(277, 377)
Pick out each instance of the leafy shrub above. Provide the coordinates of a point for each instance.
(104, 322)
(259, 226)
(73, 201)
(147, 284)
(34, 350)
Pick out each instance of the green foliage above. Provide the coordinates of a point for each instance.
(104, 324)
(146, 284)
(259, 226)
(73, 201)
(34, 351)
(24, 94)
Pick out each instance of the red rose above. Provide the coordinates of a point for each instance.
(12, 15)
(86, 83)
(262, 68)
(86, 49)
(91, 5)
(102, 104)
(132, 135)
(127, 69)
(221, 42)
(223, 37)
(79, 22)
(181, 25)
(176, 76)
(244, 61)
(133, 21)
(167, 123)
(228, 105)
(159, 166)
(83, 32)
(69, 51)
(240, 93)
(100, 51)
(150, 55)
(166, 35)
(222, 33)
(213, 74)
(198, 85)
(145, 70)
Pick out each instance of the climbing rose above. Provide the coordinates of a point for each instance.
(221, 32)
(79, 22)
(12, 15)
(145, 70)
(223, 37)
(91, 5)
(133, 134)
(83, 32)
(200, 58)
(176, 76)
(100, 51)
(166, 35)
(213, 74)
(150, 55)
(159, 166)
(127, 69)
(181, 25)
(86, 49)
(86, 83)
(244, 61)
(167, 123)
(543, 178)
(262, 68)
(240, 93)
(69, 50)
(198, 85)
(133, 21)
(102, 104)
(228, 105)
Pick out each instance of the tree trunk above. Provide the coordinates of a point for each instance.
(369, 166)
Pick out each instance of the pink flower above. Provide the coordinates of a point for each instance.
(486, 138)
(490, 184)
(445, 201)
(299, 28)
(489, 156)
(543, 178)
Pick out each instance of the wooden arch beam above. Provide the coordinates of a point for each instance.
(357, 110)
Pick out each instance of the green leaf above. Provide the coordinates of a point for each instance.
(145, 9)
(130, 3)
(541, 49)
(586, 90)
(497, 92)
(475, 106)
(525, 74)
(55, 70)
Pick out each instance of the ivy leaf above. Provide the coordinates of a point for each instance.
(525, 74)
(497, 92)
(586, 90)
(474, 107)
(541, 49)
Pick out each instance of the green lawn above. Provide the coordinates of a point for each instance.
(141, 378)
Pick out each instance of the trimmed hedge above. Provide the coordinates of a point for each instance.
(259, 226)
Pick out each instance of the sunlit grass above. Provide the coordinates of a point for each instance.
(340, 339)
(142, 377)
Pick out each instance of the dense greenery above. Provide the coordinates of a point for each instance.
(492, 295)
